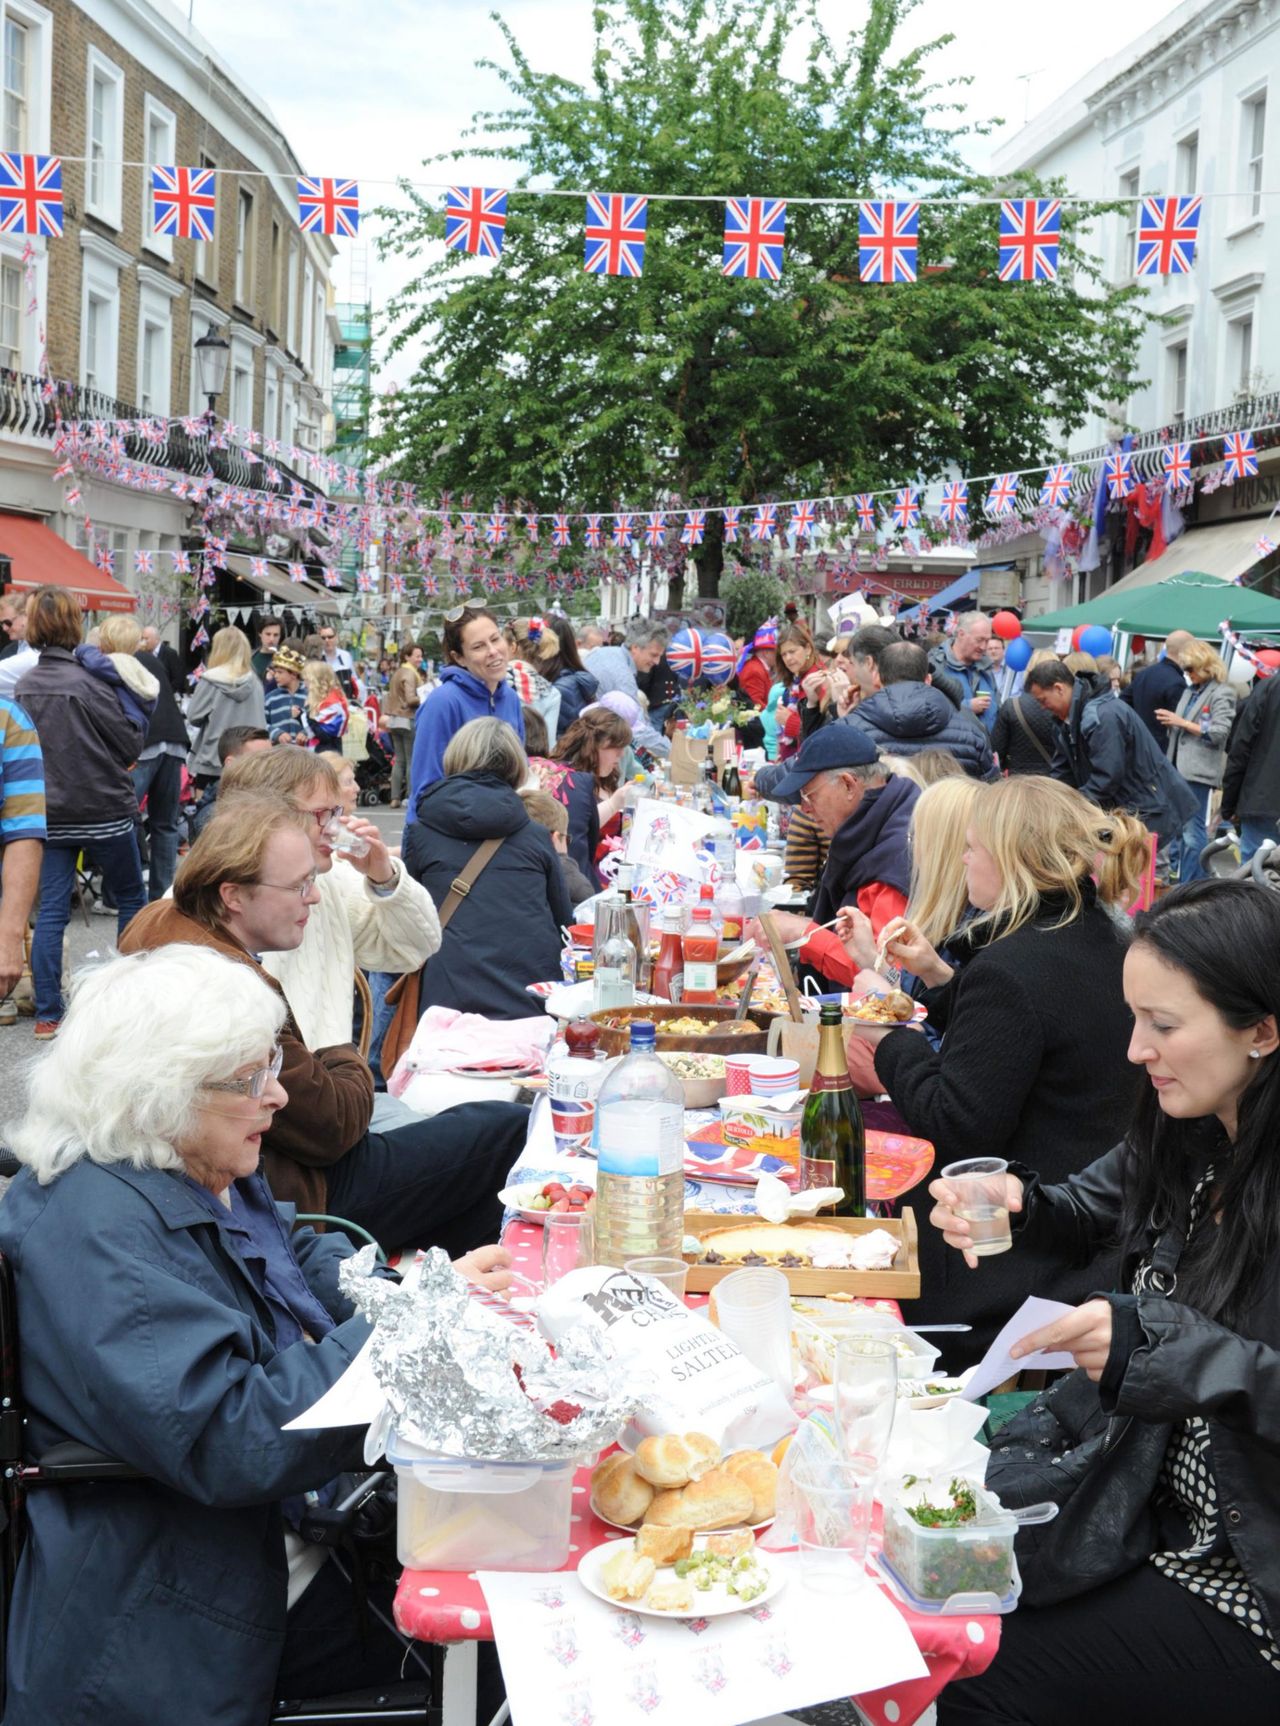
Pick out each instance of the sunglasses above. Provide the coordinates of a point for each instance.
(467, 605)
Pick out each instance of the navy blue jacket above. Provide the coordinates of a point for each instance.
(143, 1334)
(578, 689)
(1106, 751)
(1158, 685)
(905, 718)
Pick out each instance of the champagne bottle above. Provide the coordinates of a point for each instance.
(833, 1142)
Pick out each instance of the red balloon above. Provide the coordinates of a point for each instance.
(1076, 634)
(1139, 644)
(1006, 626)
(1270, 656)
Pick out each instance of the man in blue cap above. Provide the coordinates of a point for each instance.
(839, 779)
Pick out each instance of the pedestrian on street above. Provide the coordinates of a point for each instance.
(1251, 779)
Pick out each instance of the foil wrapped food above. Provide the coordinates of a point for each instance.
(462, 1379)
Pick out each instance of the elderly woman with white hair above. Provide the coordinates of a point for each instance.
(169, 1319)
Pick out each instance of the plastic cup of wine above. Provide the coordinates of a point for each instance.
(981, 1199)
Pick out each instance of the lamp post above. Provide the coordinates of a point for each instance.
(212, 354)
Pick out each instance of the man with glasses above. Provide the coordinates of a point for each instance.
(248, 887)
(339, 662)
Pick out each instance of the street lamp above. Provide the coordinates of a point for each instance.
(212, 354)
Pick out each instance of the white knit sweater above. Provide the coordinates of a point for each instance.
(352, 925)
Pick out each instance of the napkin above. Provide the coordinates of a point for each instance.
(776, 1203)
(935, 1441)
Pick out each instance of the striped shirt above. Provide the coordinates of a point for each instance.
(21, 776)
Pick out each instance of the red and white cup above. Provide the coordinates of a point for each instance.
(770, 1075)
(737, 1075)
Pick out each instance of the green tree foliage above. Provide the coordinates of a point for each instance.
(543, 383)
(751, 597)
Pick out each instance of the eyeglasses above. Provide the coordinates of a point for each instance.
(322, 816)
(256, 1083)
(329, 637)
(467, 605)
(301, 888)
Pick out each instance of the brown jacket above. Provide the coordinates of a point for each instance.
(402, 693)
(330, 1090)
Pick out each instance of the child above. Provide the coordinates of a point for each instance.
(544, 809)
(112, 662)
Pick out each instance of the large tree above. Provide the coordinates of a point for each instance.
(543, 383)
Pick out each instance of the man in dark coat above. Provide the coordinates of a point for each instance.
(1161, 685)
(908, 715)
(157, 776)
(1251, 784)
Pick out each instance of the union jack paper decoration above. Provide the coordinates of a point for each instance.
(593, 532)
(906, 507)
(765, 521)
(31, 195)
(560, 535)
(144, 563)
(695, 527)
(430, 586)
(888, 235)
(258, 568)
(495, 530)
(955, 502)
(1004, 490)
(1175, 460)
(475, 219)
(865, 504)
(328, 206)
(615, 234)
(622, 535)
(1057, 485)
(802, 520)
(468, 528)
(1167, 229)
(1117, 470)
(1239, 454)
(655, 530)
(182, 563)
(732, 524)
(297, 572)
(183, 202)
(1265, 545)
(530, 528)
(1029, 232)
(754, 231)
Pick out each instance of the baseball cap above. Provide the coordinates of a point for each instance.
(828, 750)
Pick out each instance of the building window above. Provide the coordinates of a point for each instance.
(1129, 217)
(308, 314)
(270, 405)
(104, 145)
(153, 368)
(207, 250)
(1188, 165)
(1240, 355)
(244, 247)
(11, 315)
(277, 275)
(17, 74)
(291, 305)
(160, 148)
(317, 368)
(1177, 364)
(1253, 134)
(98, 357)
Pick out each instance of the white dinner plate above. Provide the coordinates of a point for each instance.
(631, 1528)
(716, 1603)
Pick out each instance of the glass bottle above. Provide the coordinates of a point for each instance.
(833, 1142)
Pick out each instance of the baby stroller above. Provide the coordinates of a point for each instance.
(373, 774)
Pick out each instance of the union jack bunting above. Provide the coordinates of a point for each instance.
(183, 202)
(475, 219)
(754, 231)
(955, 502)
(865, 504)
(182, 563)
(765, 521)
(622, 535)
(1001, 497)
(144, 563)
(655, 529)
(888, 235)
(495, 531)
(1239, 454)
(802, 520)
(468, 528)
(1057, 485)
(258, 568)
(732, 524)
(1167, 229)
(430, 586)
(1117, 470)
(1175, 461)
(593, 532)
(1029, 232)
(695, 527)
(31, 195)
(530, 528)
(615, 234)
(1264, 545)
(906, 507)
(297, 572)
(328, 206)
(560, 535)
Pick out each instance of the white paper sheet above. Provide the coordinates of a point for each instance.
(668, 836)
(568, 1659)
(997, 1364)
(352, 1400)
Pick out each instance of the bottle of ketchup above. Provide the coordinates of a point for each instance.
(701, 946)
(668, 969)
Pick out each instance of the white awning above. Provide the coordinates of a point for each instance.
(1222, 550)
(276, 585)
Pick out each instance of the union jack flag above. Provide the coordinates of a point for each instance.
(182, 563)
(31, 195)
(695, 527)
(183, 202)
(906, 507)
(1117, 470)
(1264, 545)
(765, 521)
(615, 234)
(1004, 490)
(297, 572)
(258, 568)
(1057, 485)
(144, 562)
(1167, 229)
(955, 501)
(1029, 231)
(1175, 460)
(560, 535)
(1239, 454)
(430, 586)
(754, 230)
(495, 532)
(468, 528)
(802, 520)
(865, 504)
(622, 534)
(475, 219)
(732, 524)
(888, 235)
(593, 532)
(655, 529)
(328, 206)
(531, 528)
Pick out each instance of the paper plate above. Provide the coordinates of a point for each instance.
(716, 1603)
(631, 1528)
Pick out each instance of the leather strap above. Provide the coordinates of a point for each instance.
(476, 864)
(1025, 723)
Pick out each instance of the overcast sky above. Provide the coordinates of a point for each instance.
(371, 90)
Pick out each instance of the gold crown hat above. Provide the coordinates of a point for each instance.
(288, 659)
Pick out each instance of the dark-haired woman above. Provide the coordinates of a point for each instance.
(562, 663)
(1194, 1630)
(473, 685)
(594, 746)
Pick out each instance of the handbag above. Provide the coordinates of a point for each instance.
(405, 992)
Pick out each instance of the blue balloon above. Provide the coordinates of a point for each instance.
(1095, 640)
(1017, 654)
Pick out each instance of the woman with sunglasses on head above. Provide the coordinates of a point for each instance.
(473, 685)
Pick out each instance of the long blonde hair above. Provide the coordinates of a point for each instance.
(939, 894)
(320, 681)
(231, 652)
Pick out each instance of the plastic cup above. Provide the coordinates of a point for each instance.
(981, 1199)
(568, 1244)
(865, 1379)
(753, 1309)
(833, 1517)
(772, 1074)
(672, 1273)
(737, 1075)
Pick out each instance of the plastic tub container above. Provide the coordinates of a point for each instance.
(970, 1568)
(916, 1357)
(767, 1132)
(456, 1513)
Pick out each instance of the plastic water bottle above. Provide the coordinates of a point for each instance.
(640, 1173)
(729, 901)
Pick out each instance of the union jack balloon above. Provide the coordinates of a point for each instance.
(693, 655)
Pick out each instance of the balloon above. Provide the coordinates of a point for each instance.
(1077, 636)
(1139, 644)
(1095, 640)
(1270, 656)
(1006, 626)
(1017, 656)
(694, 653)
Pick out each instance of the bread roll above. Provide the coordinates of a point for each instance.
(617, 1491)
(718, 1500)
(667, 1511)
(735, 1462)
(760, 1478)
(705, 1454)
(734, 1545)
(671, 1460)
(664, 1545)
(626, 1576)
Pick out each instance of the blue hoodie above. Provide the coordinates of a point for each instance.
(458, 698)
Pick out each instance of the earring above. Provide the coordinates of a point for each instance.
(1255, 1054)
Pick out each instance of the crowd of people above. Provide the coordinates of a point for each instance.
(208, 1133)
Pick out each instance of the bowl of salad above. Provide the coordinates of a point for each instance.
(702, 1077)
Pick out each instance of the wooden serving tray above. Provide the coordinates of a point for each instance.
(900, 1282)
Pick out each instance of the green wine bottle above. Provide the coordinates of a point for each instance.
(833, 1141)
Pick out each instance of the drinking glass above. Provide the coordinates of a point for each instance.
(981, 1199)
(753, 1309)
(672, 1273)
(865, 1378)
(833, 1523)
(568, 1244)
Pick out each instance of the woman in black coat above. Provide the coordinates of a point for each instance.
(505, 932)
(1035, 1028)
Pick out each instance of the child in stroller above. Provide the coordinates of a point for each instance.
(373, 774)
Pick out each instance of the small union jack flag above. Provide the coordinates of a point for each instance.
(530, 528)
(765, 521)
(468, 528)
(1239, 455)
(182, 563)
(1175, 461)
(475, 219)
(615, 234)
(754, 231)
(695, 527)
(144, 562)
(622, 534)
(1057, 485)
(258, 568)
(888, 235)
(495, 532)
(802, 520)
(865, 504)
(732, 524)
(297, 572)
(655, 529)
(1117, 470)
(430, 586)
(183, 202)
(328, 206)
(1029, 233)
(1167, 229)
(1264, 545)
(1003, 493)
(31, 195)
(560, 535)
(955, 501)
(906, 507)
(593, 532)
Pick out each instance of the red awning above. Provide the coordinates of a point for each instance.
(36, 556)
